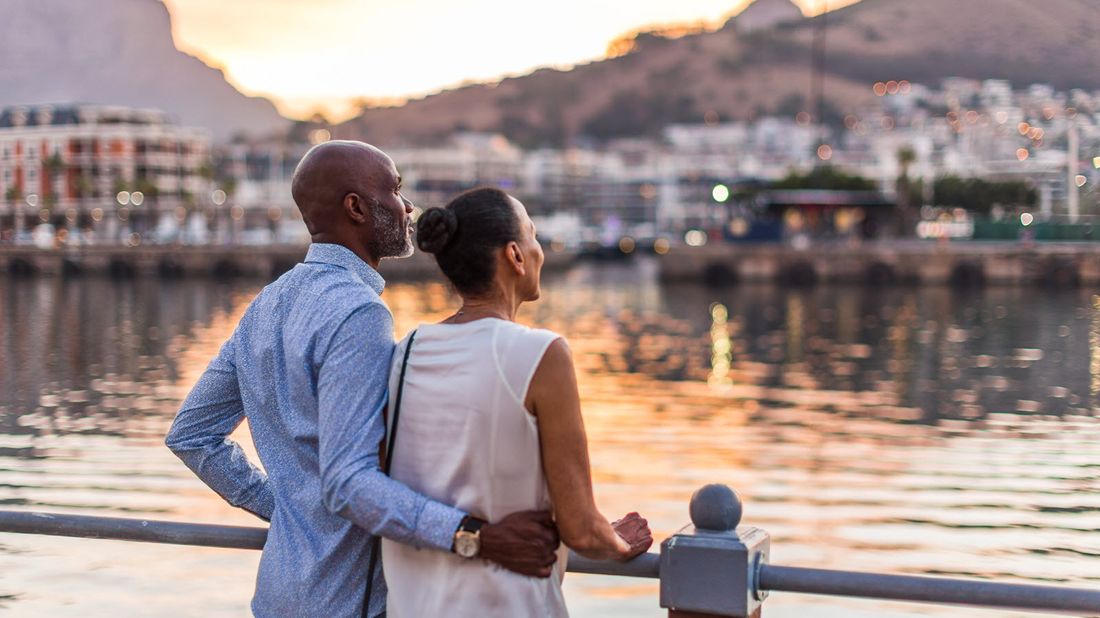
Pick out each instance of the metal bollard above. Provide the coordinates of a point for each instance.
(710, 568)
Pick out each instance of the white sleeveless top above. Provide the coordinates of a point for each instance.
(465, 438)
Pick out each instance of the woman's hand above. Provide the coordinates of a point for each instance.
(633, 529)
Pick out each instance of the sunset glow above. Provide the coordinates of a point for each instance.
(325, 54)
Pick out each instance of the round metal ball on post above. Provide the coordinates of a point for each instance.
(709, 568)
(715, 507)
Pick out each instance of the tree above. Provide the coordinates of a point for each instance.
(85, 187)
(13, 195)
(906, 218)
(54, 163)
(54, 166)
(206, 171)
(906, 158)
(825, 177)
(980, 196)
(229, 185)
(147, 187)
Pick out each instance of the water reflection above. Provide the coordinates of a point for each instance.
(721, 347)
(904, 430)
(101, 357)
(1094, 363)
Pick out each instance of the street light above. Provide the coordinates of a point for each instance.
(720, 193)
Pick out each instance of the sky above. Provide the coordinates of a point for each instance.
(321, 55)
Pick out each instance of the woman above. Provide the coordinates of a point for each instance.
(490, 421)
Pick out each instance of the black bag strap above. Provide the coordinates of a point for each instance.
(391, 439)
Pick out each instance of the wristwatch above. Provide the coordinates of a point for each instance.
(467, 543)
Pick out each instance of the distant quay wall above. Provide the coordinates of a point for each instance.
(960, 264)
(169, 261)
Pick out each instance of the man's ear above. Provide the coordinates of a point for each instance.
(515, 258)
(357, 208)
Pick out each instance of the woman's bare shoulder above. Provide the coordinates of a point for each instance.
(555, 379)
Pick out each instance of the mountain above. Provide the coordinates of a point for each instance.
(117, 52)
(725, 74)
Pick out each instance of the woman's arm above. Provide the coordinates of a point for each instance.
(553, 397)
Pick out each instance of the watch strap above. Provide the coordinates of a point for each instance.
(470, 524)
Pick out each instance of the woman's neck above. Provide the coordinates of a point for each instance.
(496, 306)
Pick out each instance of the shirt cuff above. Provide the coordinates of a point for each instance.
(263, 505)
(438, 524)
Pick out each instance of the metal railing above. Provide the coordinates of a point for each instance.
(710, 567)
(233, 537)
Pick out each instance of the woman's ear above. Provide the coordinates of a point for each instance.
(515, 258)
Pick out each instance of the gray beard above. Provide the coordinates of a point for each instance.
(391, 239)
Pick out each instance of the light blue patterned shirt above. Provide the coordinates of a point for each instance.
(308, 366)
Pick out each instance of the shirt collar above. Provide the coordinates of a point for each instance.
(339, 255)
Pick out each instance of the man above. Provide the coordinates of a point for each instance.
(308, 366)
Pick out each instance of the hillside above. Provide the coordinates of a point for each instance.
(729, 75)
(117, 52)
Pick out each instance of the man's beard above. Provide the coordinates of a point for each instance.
(391, 238)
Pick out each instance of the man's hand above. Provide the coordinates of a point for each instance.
(523, 542)
(634, 529)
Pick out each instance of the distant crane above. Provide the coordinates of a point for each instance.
(817, 86)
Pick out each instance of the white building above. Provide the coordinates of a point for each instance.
(434, 175)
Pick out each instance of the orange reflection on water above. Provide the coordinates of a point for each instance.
(1094, 361)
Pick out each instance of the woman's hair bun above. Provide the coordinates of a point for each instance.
(435, 229)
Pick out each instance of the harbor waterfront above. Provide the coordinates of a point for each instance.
(900, 430)
(199, 260)
(956, 263)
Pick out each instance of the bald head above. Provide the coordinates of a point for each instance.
(329, 172)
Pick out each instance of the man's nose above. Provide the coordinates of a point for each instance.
(408, 205)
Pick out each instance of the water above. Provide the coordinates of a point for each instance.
(913, 431)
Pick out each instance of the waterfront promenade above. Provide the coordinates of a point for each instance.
(907, 262)
(958, 263)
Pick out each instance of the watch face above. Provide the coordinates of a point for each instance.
(467, 544)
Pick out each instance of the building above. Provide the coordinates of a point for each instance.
(255, 177)
(433, 175)
(100, 174)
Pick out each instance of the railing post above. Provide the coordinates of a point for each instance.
(710, 568)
